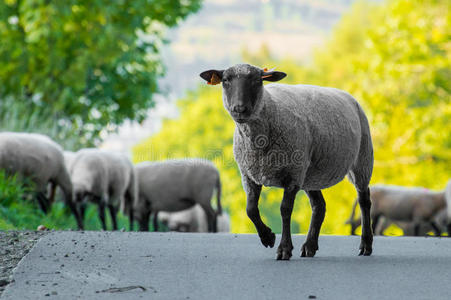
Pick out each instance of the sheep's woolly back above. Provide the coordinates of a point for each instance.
(31, 155)
(401, 190)
(69, 159)
(102, 173)
(174, 185)
(308, 135)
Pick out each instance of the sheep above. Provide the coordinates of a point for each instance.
(296, 137)
(448, 206)
(176, 185)
(69, 159)
(413, 206)
(193, 220)
(105, 178)
(408, 228)
(39, 158)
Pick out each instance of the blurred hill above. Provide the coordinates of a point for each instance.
(216, 37)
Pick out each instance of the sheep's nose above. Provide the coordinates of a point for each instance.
(239, 108)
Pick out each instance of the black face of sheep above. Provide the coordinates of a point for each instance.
(243, 88)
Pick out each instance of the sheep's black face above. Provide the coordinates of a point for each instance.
(242, 88)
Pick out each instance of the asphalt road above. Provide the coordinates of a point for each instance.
(122, 265)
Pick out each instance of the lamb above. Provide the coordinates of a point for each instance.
(408, 205)
(176, 185)
(105, 178)
(39, 158)
(296, 137)
(193, 220)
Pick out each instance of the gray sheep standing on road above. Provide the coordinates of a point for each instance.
(296, 137)
(37, 157)
(105, 178)
(176, 185)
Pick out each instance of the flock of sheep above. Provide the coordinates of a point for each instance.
(180, 189)
(295, 137)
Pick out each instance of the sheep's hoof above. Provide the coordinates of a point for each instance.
(365, 251)
(283, 254)
(309, 249)
(365, 248)
(268, 239)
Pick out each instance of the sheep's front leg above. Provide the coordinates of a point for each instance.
(318, 211)
(286, 208)
(253, 190)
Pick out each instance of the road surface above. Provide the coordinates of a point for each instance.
(123, 265)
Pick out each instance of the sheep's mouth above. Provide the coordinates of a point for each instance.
(240, 117)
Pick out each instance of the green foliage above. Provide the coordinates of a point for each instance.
(88, 64)
(394, 58)
(23, 117)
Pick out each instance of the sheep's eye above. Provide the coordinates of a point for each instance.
(225, 81)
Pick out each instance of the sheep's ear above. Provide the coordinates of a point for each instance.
(212, 76)
(271, 75)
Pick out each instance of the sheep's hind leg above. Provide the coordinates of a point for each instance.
(113, 214)
(43, 202)
(437, 230)
(318, 211)
(286, 208)
(253, 190)
(102, 214)
(366, 245)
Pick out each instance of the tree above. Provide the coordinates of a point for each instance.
(87, 63)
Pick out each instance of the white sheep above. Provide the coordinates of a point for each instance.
(105, 178)
(37, 157)
(176, 185)
(296, 137)
(193, 220)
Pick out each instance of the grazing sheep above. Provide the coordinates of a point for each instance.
(296, 137)
(176, 185)
(105, 178)
(37, 157)
(411, 206)
(408, 228)
(193, 220)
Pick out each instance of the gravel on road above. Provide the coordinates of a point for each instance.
(14, 245)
